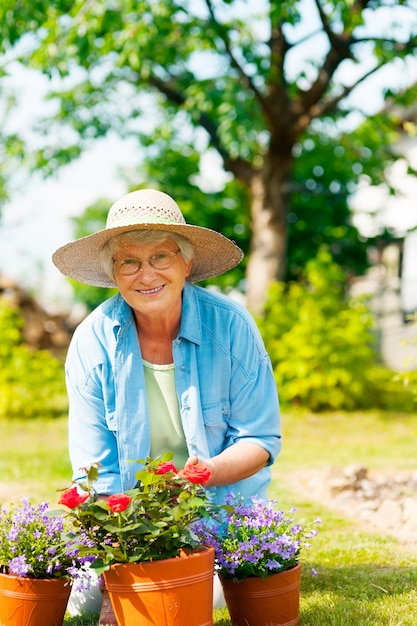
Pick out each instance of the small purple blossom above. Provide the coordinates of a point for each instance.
(13, 534)
(35, 543)
(18, 566)
(252, 537)
(273, 565)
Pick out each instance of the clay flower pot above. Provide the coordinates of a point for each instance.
(164, 593)
(271, 601)
(33, 601)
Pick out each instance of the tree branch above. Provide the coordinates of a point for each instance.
(340, 50)
(246, 80)
(330, 105)
(239, 167)
(312, 106)
(279, 47)
(311, 103)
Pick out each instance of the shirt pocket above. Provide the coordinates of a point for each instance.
(216, 419)
(216, 412)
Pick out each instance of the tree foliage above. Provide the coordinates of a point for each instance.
(267, 86)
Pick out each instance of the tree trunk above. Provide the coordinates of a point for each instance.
(269, 208)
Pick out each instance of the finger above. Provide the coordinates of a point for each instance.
(192, 460)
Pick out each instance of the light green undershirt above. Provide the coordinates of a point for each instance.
(167, 434)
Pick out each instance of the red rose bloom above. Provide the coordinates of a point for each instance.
(118, 502)
(73, 498)
(198, 473)
(164, 468)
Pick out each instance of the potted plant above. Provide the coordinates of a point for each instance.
(38, 564)
(257, 556)
(155, 569)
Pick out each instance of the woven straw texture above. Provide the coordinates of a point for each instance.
(146, 209)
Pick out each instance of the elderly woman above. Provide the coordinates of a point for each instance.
(165, 364)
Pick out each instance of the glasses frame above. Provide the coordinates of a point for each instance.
(137, 263)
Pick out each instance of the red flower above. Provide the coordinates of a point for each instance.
(198, 473)
(73, 497)
(118, 502)
(164, 468)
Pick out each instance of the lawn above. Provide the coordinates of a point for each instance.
(365, 579)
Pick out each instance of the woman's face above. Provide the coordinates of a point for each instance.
(150, 291)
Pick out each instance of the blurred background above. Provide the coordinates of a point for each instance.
(291, 127)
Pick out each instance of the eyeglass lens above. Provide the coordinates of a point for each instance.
(161, 261)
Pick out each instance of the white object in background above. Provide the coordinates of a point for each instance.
(86, 601)
(409, 274)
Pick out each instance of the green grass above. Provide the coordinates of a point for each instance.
(339, 439)
(365, 579)
(33, 458)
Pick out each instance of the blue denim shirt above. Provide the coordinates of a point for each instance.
(224, 380)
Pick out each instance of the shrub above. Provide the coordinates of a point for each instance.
(31, 381)
(322, 343)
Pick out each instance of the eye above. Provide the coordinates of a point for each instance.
(159, 257)
(126, 262)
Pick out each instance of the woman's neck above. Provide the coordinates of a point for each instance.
(155, 339)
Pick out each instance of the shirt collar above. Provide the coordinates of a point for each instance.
(190, 316)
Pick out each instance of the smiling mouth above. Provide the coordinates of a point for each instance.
(150, 292)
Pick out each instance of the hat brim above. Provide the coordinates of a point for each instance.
(214, 254)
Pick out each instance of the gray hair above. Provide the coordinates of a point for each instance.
(142, 236)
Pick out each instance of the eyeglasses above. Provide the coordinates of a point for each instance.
(162, 261)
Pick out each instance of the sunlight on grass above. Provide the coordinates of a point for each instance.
(330, 608)
(365, 579)
(34, 458)
(340, 439)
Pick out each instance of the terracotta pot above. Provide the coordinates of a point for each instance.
(272, 601)
(33, 601)
(172, 592)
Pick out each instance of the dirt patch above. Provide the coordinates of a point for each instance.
(384, 502)
(13, 492)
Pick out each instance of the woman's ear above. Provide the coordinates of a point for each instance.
(188, 267)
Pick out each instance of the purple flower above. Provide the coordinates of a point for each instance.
(34, 543)
(13, 534)
(252, 537)
(273, 565)
(18, 566)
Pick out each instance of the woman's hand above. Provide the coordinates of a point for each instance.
(194, 461)
(233, 464)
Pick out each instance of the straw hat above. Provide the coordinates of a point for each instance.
(146, 209)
